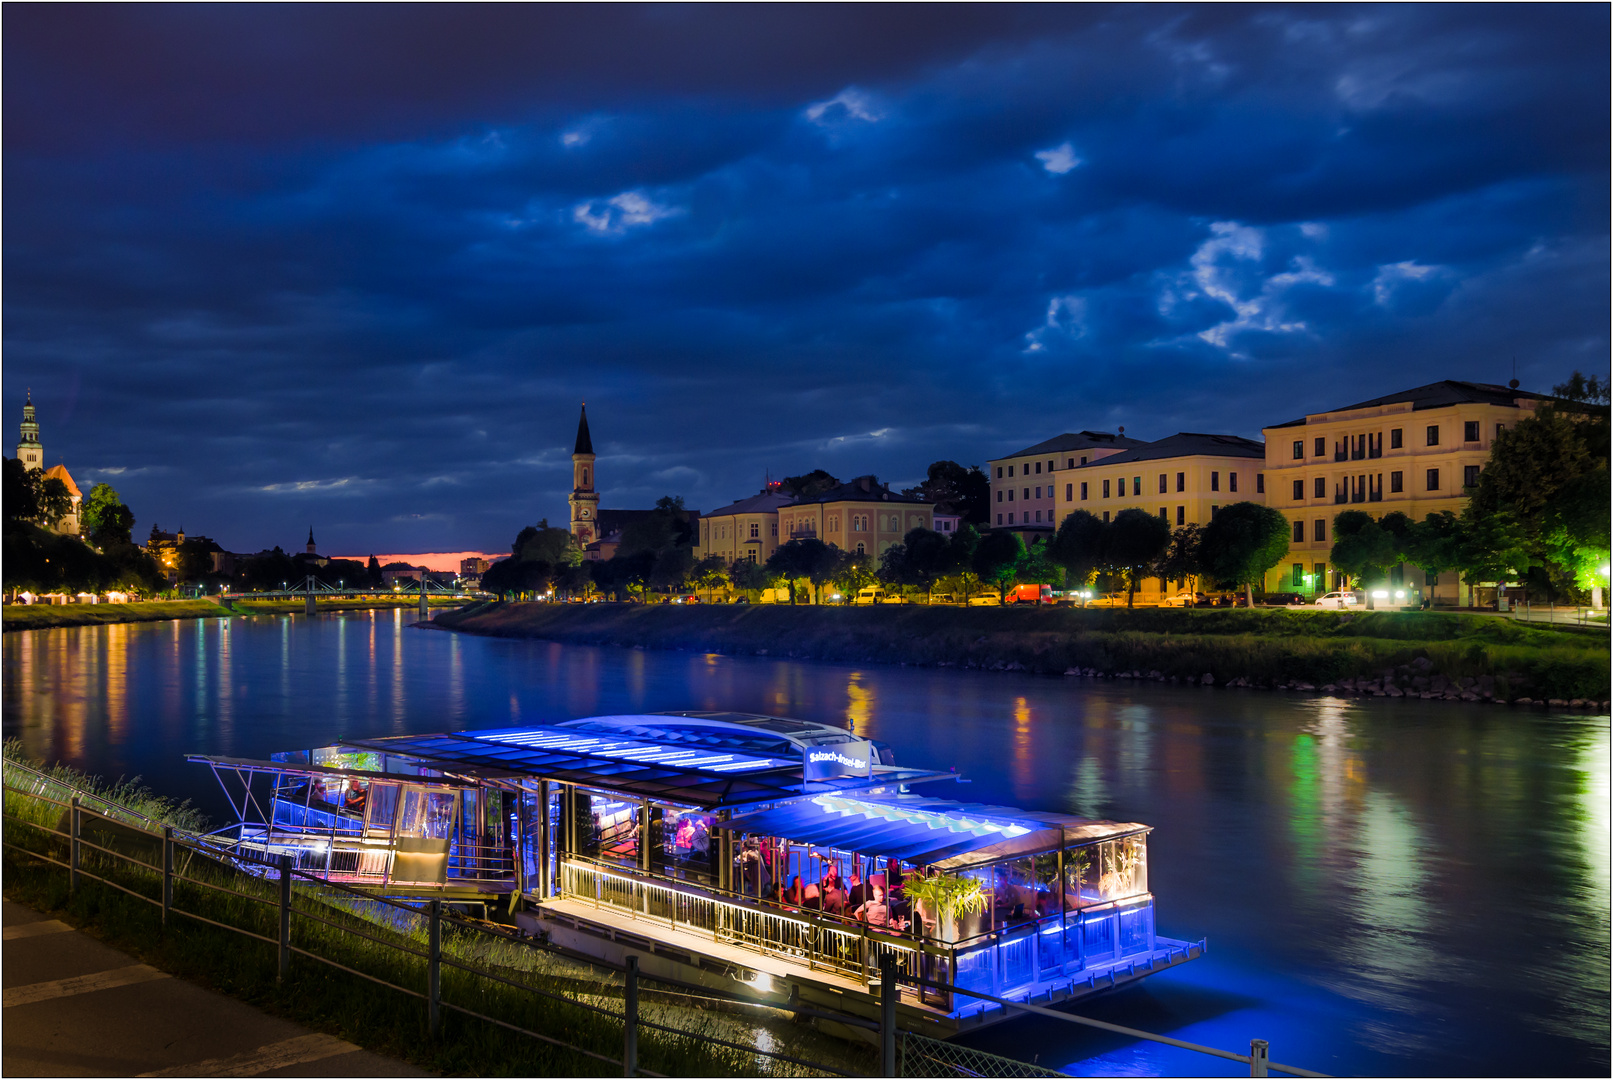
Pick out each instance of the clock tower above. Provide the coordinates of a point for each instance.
(29, 450)
(584, 499)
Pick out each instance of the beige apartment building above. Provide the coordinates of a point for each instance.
(1184, 479)
(1023, 485)
(747, 529)
(1418, 451)
(863, 516)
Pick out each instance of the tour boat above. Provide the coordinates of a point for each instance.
(787, 856)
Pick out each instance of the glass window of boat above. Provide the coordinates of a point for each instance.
(381, 810)
(686, 842)
(1105, 871)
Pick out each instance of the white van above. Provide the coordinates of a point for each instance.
(873, 594)
(1337, 600)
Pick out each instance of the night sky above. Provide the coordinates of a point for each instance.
(356, 267)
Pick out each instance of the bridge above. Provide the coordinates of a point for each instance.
(312, 590)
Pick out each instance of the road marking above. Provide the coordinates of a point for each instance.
(81, 984)
(33, 929)
(280, 1055)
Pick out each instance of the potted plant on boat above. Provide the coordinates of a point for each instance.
(942, 898)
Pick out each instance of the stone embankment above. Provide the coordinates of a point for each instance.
(1389, 654)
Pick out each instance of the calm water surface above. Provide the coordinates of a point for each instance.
(1387, 887)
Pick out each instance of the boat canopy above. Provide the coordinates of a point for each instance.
(926, 831)
(704, 776)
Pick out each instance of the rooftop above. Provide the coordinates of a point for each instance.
(1188, 444)
(1079, 440)
(1438, 395)
(765, 503)
(862, 489)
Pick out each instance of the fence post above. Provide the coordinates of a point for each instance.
(285, 919)
(887, 1015)
(167, 872)
(1259, 1055)
(73, 833)
(630, 1020)
(434, 970)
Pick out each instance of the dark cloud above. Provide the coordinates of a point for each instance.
(358, 264)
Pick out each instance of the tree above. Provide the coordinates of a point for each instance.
(672, 568)
(1038, 567)
(1242, 542)
(1361, 548)
(956, 490)
(960, 557)
(1434, 543)
(808, 558)
(1132, 543)
(997, 558)
(55, 501)
(1078, 547)
(747, 576)
(1181, 558)
(855, 573)
(542, 543)
(1492, 546)
(21, 494)
(809, 484)
(709, 574)
(1581, 388)
(922, 557)
(93, 516)
(373, 571)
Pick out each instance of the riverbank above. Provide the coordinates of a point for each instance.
(1395, 654)
(45, 616)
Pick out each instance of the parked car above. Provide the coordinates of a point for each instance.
(1282, 599)
(943, 598)
(1184, 599)
(1337, 600)
(1108, 599)
(893, 598)
(986, 600)
(741, 599)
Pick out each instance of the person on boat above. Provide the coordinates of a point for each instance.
(874, 912)
(795, 896)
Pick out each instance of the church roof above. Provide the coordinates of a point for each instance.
(59, 472)
(585, 444)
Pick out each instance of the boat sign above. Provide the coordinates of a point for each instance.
(855, 758)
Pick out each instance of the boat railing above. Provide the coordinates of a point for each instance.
(819, 941)
(370, 860)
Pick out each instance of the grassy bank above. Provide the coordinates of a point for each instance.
(44, 616)
(540, 990)
(1449, 653)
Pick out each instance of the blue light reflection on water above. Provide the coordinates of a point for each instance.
(1387, 887)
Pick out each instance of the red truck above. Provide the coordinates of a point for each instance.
(1029, 594)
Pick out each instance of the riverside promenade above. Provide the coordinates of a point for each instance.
(76, 1007)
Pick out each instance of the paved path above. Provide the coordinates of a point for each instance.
(75, 1007)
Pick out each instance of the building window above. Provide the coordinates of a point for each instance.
(999, 494)
(861, 550)
(1010, 494)
(1069, 492)
(1010, 470)
(1470, 476)
(775, 528)
(1106, 515)
(1433, 479)
(1299, 490)
(1083, 459)
(1394, 439)
(1499, 428)
(1038, 515)
(756, 530)
(1010, 518)
(1470, 431)
(1038, 468)
(999, 472)
(1136, 485)
(1163, 514)
(1321, 577)
(1069, 463)
(1397, 481)
(1050, 465)
(1433, 434)
(1319, 530)
(1163, 482)
(1299, 449)
(1027, 493)
(1299, 532)
(1321, 447)
(1299, 575)
(1260, 483)
(1215, 481)
(1038, 492)
(1106, 492)
(999, 521)
(1181, 515)
(1083, 491)
(1232, 481)
(1181, 481)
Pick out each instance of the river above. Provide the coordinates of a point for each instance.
(1387, 887)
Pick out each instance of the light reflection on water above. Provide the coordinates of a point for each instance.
(1387, 887)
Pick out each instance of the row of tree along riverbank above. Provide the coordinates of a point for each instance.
(45, 616)
(1414, 652)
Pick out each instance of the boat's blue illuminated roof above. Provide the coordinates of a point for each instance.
(566, 738)
(925, 831)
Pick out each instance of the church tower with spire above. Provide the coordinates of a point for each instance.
(29, 449)
(584, 499)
